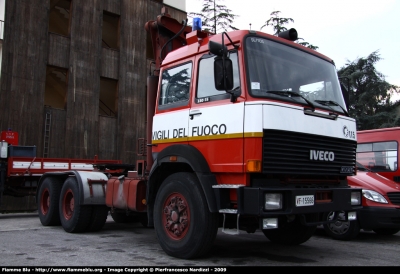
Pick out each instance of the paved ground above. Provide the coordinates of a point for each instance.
(25, 242)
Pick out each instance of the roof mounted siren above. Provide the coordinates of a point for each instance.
(290, 34)
(196, 24)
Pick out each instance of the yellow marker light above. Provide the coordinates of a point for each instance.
(173, 158)
(253, 166)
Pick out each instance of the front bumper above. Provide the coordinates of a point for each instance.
(251, 201)
(326, 200)
(378, 217)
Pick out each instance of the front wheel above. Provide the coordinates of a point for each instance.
(74, 216)
(341, 229)
(290, 232)
(184, 225)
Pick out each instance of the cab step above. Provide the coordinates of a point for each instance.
(222, 192)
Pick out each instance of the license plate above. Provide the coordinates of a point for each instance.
(305, 200)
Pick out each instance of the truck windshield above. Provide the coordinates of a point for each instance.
(285, 73)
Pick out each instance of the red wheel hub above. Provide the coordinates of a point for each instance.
(68, 204)
(176, 216)
(45, 202)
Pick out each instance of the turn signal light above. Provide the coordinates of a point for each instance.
(253, 166)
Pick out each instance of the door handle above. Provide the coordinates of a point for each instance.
(195, 112)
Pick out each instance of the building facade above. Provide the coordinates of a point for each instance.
(73, 75)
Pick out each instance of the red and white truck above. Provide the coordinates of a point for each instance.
(246, 131)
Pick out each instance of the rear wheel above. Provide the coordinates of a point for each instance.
(98, 218)
(184, 225)
(74, 216)
(291, 232)
(386, 231)
(48, 197)
(341, 229)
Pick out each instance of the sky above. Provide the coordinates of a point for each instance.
(343, 30)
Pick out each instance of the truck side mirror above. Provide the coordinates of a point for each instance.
(223, 73)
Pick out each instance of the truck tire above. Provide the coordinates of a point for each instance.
(341, 230)
(98, 218)
(386, 231)
(48, 197)
(292, 232)
(184, 226)
(74, 217)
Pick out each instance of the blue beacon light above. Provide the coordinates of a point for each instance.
(196, 24)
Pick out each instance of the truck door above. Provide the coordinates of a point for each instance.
(215, 123)
(170, 123)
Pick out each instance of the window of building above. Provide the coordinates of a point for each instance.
(175, 86)
(108, 104)
(110, 34)
(59, 18)
(55, 94)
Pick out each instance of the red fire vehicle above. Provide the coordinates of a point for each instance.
(378, 149)
(246, 131)
(381, 207)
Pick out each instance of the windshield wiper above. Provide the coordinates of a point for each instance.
(292, 93)
(331, 103)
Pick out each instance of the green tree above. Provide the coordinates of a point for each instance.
(215, 17)
(307, 45)
(369, 94)
(277, 23)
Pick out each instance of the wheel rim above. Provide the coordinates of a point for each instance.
(340, 226)
(176, 217)
(45, 201)
(68, 204)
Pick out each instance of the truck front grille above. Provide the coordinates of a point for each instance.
(288, 153)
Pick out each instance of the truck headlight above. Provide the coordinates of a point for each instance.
(272, 201)
(355, 198)
(374, 196)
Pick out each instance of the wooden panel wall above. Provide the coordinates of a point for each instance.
(83, 81)
(58, 51)
(110, 63)
(78, 131)
(57, 140)
(113, 6)
(132, 87)
(108, 132)
(24, 60)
